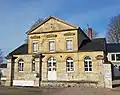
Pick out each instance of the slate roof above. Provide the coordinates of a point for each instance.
(23, 49)
(113, 47)
(98, 44)
(83, 38)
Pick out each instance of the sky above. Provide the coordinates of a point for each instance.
(17, 16)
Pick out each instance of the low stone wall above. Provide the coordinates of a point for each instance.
(70, 84)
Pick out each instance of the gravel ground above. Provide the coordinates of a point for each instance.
(58, 91)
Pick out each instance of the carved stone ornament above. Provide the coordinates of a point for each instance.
(51, 35)
(99, 57)
(69, 34)
(35, 37)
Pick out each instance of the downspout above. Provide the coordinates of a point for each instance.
(12, 70)
(40, 70)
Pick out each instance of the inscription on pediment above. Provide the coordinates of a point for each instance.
(51, 26)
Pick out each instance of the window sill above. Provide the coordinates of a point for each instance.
(88, 71)
(115, 61)
(70, 71)
(69, 50)
(20, 71)
(33, 71)
(51, 51)
(35, 52)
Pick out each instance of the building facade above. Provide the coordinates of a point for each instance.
(58, 54)
(113, 50)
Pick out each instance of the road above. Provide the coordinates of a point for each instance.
(58, 91)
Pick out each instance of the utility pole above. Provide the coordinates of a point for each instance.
(40, 69)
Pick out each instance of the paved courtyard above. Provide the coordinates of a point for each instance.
(58, 91)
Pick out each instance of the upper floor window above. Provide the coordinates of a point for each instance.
(69, 45)
(88, 64)
(35, 47)
(115, 57)
(33, 65)
(52, 46)
(69, 64)
(20, 65)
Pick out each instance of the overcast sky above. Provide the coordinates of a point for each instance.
(16, 16)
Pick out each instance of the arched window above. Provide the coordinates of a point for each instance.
(88, 64)
(20, 65)
(69, 64)
(51, 64)
(33, 65)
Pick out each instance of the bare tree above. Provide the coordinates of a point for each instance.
(113, 33)
(1, 56)
(38, 21)
(94, 33)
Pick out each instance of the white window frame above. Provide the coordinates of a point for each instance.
(88, 63)
(115, 57)
(53, 48)
(70, 47)
(35, 48)
(51, 61)
(33, 62)
(20, 65)
(70, 62)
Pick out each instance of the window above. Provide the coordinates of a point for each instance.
(115, 57)
(118, 57)
(119, 68)
(88, 64)
(69, 45)
(33, 65)
(20, 65)
(51, 45)
(69, 64)
(35, 47)
(51, 64)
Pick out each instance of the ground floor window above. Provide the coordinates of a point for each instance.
(88, 64)
(69, 64)
(51, 64)
(115, 57)
(33, 65)
(20, 65)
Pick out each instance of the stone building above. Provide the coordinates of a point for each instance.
(58, 54)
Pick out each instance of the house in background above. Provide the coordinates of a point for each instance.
(57, 53)
(3, 72)
(113, 50)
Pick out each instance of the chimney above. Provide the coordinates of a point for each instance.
(90, 33)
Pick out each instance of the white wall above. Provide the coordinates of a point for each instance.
(116, 64)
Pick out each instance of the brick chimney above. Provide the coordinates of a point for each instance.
(90, 33)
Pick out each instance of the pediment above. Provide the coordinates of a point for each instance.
(52, 24)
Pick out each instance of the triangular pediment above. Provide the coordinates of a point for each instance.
(51, 24)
